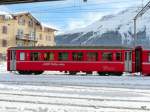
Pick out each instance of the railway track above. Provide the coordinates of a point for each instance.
(76, 105)
(71, 101)
(59, 83)
(82, 98)
(57, 93)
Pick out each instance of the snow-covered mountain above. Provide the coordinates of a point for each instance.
(114, 29)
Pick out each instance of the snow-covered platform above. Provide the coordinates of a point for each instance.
(57, 92)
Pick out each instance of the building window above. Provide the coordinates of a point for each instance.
(4, 43)
(92, 56)
(21, 21)
(22, 56)
(63, 56)
(49, 38)
(20, 43)
(31, 44)
(77, 56)
(119, 56)
(48, 56)
(40, 36)
(32, 35)
(30, 23)
(20, 33)
(4, 30)
(107, 56)
(35, 56)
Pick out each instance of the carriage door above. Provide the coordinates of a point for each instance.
(138, 59)
(13, 60)
(128, 61)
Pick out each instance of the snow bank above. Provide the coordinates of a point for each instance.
(3, 67)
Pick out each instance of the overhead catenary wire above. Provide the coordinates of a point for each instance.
(73, 9)
(74, 6)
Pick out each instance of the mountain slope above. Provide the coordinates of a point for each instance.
(110, 30)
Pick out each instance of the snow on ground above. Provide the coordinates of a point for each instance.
(57, 92)
(3, 67)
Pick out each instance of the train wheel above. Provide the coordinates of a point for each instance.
(38, 72)
(21, 72)
(102, 73)
(25, 72)
(28, 72)
(116, 74)
(89, 72)
(72, 73)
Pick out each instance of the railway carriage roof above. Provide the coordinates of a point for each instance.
(68, 47)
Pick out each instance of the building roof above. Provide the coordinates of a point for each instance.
(11, 15)
(69, 47)
(36, 20)
(6, 14)
(48, 27)
(27, 13)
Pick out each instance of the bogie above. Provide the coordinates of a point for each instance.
(30, 72)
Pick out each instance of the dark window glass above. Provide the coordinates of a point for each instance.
(130, 56)
(4, 43)
(77, 56)
(119, 56)
(4, 30)
(107, 56)
(48, 56)
(12, 55)
(35, 56)
(92, 56)
(63, 56)
(30, 23)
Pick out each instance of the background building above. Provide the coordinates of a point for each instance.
(46, 36)
(23, 29)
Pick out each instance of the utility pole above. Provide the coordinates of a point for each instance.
(141, 12)
(135, 36)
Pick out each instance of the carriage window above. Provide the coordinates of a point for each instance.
(92, 56)
(35, 56)
(107, 56)
(22, 56)
(128, 56)
(77, 56)
(48, 56)
(12, 55)
(63, 56)
(119, 56)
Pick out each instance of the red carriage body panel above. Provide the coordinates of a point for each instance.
(130, 60)
(69, 65)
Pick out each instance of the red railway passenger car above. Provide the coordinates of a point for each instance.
(103, 59)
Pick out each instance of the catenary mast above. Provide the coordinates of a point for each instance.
(140, 13)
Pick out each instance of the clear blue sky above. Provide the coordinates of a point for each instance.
(70, 14)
